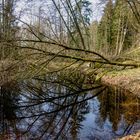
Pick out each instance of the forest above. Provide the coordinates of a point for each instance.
(57, 57)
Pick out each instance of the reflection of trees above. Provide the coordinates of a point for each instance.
(115, 103)
(110, 107)
(8, 107)
(51, 107)
(131, 109)
(77, 117)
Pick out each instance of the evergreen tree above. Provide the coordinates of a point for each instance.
(104, 28)
(8, 25)
(81, 14)
(122, 31)
(94, 35)
(116, 31)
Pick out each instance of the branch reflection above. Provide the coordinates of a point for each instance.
(55, 106)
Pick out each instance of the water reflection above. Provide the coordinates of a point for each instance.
(8, 107)
(121, 108)
(65, 106)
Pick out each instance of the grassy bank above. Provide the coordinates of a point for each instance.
(135, 136)
(128, 79)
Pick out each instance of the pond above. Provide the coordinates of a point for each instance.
(66, 107)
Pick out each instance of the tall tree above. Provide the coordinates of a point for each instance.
(94, 35)
(104, 28)
(8, 25)
(123, 32)
(81, 13)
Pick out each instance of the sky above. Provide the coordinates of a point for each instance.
(97, 10)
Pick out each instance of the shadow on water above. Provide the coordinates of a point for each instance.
(66, 106)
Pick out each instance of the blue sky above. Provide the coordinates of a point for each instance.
(97, 9)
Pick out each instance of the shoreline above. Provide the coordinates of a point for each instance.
(128, 80)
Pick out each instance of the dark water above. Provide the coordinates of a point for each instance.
(66, 107)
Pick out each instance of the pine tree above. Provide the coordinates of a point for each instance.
(94, 35)
(122, 30)
(104, 28)
(81, 14)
